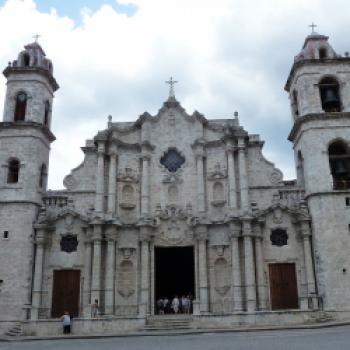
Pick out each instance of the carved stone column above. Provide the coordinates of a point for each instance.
(201, 236)
(243, 176)
(87, 274)
(96, 265)
(100, 177)
(249, 266)
(145, 185)
(260, 275)
(110, 269)
(199, 154)
(112, 182)
(145, 273)
(309, 270)
(38, 274)
(236, 280)
(231, 177)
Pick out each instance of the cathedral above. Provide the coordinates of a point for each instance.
(176, 204)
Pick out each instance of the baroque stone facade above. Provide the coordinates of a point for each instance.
(255, 243)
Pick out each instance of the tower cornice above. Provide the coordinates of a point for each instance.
(315, 117)
(25, 70)
(313, 62)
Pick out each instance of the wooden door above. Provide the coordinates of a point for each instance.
(283, 286)
(66, 291)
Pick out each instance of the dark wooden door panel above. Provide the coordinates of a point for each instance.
(283, 286)
(66, 291)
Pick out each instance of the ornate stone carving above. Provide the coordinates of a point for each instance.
(127, 252)
(276, 176)
(173, 177)
(128, 175)
(218, 172)
(69, 243)
(70, 182)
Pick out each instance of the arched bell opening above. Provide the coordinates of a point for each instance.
(339, 162)
(330, 98)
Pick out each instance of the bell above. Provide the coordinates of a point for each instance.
(330, 100)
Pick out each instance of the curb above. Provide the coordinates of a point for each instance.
(176, 333)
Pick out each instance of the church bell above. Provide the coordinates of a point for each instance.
(331, 100)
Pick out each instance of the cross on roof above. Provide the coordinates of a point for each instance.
(171, 83)
(312, 26)
(36, 37)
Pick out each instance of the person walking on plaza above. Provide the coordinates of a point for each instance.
(175, 304)
(66, 321)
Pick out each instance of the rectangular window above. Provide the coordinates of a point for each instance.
(347, 201)
(6, 235)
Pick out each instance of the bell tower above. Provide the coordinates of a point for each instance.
(25, 138)
(319, 92)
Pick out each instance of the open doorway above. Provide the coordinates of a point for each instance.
(174, 272)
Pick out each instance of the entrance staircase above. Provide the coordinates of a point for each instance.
(168, 322)
(15, 331)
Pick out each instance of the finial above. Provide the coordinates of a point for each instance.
(171, 83)
(109, 121)
(36, 37)
(312, 26)
(235, 113)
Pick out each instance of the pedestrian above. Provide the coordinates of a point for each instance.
(66, 321)
(185, 304)
(175, 304)
(160, 306)
(166, 305)
(95, 309)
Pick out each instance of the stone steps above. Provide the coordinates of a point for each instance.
(15, 331)
(155, 323)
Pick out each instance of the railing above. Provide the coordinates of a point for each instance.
(55, 200)
(292, 197)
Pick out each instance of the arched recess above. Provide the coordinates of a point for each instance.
(330, 96)
(126, 278)
(173, 195)
(295, 103)
(128, 194)
(20, 106)
(300, 169)
(222, 276)
(46, 113)
(13, 167)
(339, 162)
(218, 191)
(43, 176)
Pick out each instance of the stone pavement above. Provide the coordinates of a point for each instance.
(334, 338)
(145, 333)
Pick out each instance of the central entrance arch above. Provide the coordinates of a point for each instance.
(174, 272)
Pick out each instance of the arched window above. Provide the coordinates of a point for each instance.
(339, 162)
(330, 98)
(26, 60)
(13, 171)
(21, 105)
(322, 53)
(43, 176)
(46, 113)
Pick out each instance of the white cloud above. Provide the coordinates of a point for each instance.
(227, 54)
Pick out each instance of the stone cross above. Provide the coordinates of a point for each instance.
(312, 26)
(36, 37)
(171, 83)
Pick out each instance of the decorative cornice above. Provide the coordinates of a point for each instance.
(315, 117)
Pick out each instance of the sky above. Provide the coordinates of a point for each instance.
(113, 57)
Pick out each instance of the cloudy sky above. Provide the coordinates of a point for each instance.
(112, 57)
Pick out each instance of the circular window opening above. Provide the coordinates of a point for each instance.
(172, 160)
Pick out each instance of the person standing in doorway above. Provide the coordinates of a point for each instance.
(66, 321)
(175, 304)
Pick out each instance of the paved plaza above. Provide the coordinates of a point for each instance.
(333, 338)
